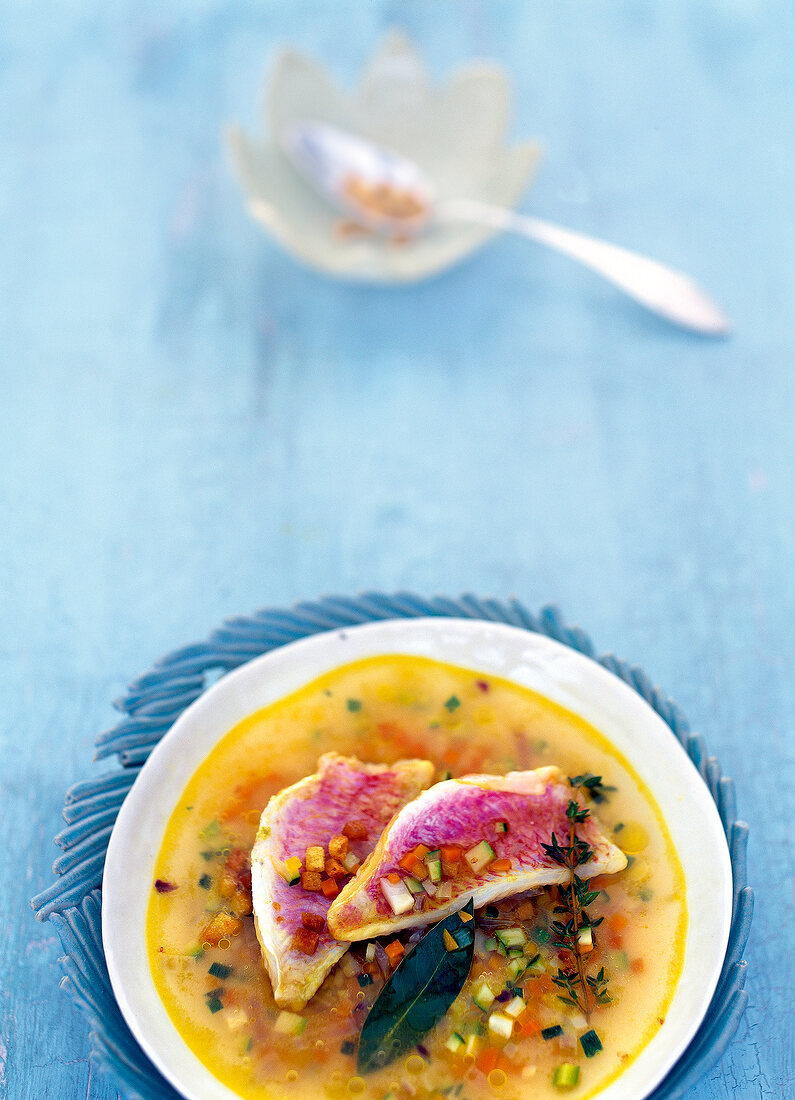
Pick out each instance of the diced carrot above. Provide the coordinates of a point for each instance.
(394, 950)
(618, 921)
(500, 865)
(487, 1060)
(421, 851)
(393, 876)
(614, 940)
(409, 862)
(329, 887)
(636, 966)
(450, 853)
(529, 1027)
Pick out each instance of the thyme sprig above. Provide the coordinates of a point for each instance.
(581, 990)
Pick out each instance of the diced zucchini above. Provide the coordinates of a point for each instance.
(501, 827)
(480, 856)
(289, 1023)
(501, 1025)
(414, 885)
(400, 898)
(552, 1032)
(434, 869)
(455, 1043)
(350, 862)
(515, 953)
(515, 1007)
(591, 1043)
(516, 967)
(435, 854)
(490, 944)
(511, 937)
(483, 995)
(566, 1076)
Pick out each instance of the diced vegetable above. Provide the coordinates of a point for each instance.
(491, 944)
(414, 885)
(591, 1043)
(551, 1032)
(291, 870)
(585, 942)
(501, 1025)
(515, 1007)
(464, 916)
(444, 891)
(516, 967)
(434, 868)
(351, 863)
(429, 887)
(455, 1044)
(449, 942)
(395, 951)
(369, 952)
(483, 995)
(499, 866)
(329, 888)
(501, 827)
(398, 895)
(511, 937)
(566, 1076)
(365, 980)
(289, 1023)
(219, 970)
(480, 856)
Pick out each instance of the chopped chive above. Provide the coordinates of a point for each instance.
(552, 1032)
(220, 970)
(354, 705)
(590, 1043)
(205, 882)
(212, 828)
(541, 935)
(645, 894)
(566, 1076)
(453, 703)
(207, 855)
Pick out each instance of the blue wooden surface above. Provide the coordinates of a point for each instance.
(193, 426)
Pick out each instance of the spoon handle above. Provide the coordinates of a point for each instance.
(662, 290)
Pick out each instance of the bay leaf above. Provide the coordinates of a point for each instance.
(418, 994)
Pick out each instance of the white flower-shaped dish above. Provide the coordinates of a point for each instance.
(456, 133)
(560, 673)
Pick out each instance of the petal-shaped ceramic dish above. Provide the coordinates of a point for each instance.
(555, 671)
(154, 701)
(456, 133)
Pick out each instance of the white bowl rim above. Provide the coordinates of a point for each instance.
(532, 660)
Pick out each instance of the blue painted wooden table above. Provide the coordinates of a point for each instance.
(194, 426)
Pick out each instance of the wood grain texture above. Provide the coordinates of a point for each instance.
(193, 426)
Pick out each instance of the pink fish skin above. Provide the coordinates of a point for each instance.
(464, 812)
(310, 812)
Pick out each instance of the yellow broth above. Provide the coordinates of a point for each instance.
(384, 709)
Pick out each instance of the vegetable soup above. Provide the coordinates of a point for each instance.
(551, 991)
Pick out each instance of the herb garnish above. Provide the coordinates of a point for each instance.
(419, 992)
(580, 990)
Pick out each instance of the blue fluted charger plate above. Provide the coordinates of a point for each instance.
(154, 702)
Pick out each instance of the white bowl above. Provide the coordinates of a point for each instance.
(532, 660)
(456, 133)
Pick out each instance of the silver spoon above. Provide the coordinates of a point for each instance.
(391, 195)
